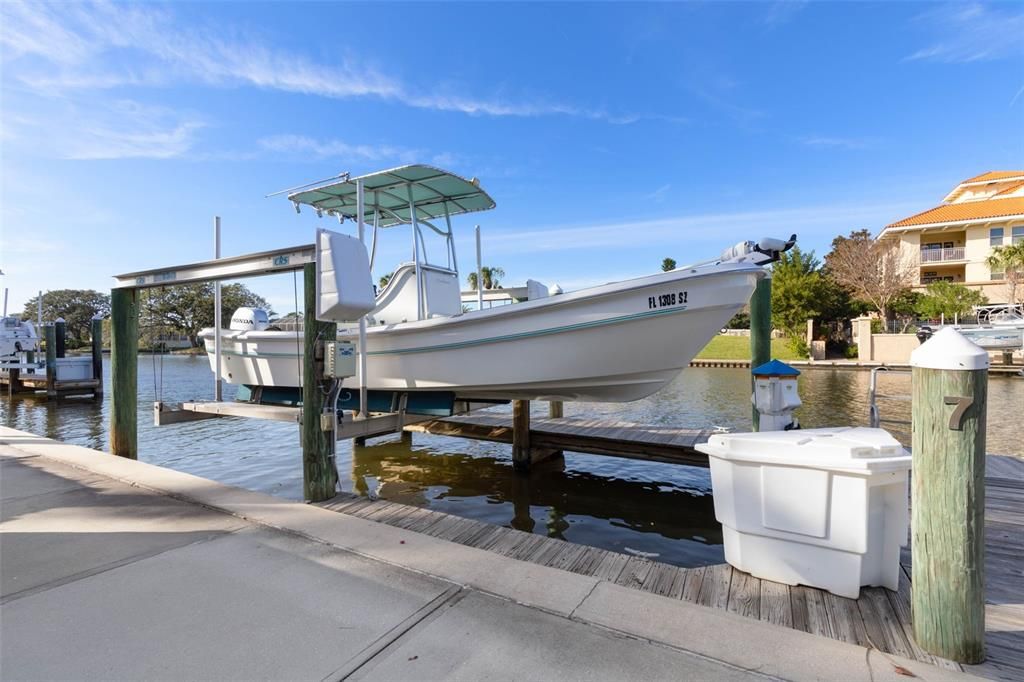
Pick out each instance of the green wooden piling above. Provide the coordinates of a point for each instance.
(950, 387)
(61, 329)
(124, 370)
(760, 333)
(319, 476)
(50, 337)
(521, 455)
(97, 355)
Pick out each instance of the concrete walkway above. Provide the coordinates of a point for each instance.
(117, 569)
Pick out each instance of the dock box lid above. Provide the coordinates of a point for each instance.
(844, 448)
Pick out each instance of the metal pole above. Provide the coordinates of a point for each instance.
(5, 302)
(479, 273)
(360, 207)
(39, 309)
(451, 237)
(217, 386)
(416, 253)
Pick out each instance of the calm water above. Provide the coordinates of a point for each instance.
(622, 505)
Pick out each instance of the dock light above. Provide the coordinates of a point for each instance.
(319, 213)
(298, 209)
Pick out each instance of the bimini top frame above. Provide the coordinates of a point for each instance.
(410, 195)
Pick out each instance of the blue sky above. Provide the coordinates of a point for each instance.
(610, 135)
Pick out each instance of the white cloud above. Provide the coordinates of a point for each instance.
(708, 229)
(74, 46)
(970, 32)
(327, 149)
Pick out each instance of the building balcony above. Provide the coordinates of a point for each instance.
(945, 255)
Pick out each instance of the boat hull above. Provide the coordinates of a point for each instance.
(615, 343)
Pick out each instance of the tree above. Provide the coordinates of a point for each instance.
(1010, 261)
(76, 306)
(799, 292)
(384, 279)
(490, 276)
(188, 308)
(876, 271)
(668, 265)
(949, 300)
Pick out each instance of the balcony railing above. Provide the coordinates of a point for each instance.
(940, 255)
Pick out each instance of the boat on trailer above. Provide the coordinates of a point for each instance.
(616, 342)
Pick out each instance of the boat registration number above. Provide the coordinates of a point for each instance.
(666, 300)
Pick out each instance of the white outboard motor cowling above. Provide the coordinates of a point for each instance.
(249, 320)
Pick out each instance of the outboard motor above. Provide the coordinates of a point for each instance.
(249, 320)
(924, 333)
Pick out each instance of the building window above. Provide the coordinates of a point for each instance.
(995, 236)
(997, 276)
(1017, 235)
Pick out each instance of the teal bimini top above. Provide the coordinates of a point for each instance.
(435, 193)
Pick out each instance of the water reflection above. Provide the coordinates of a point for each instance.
(559, 498)
(617, 504)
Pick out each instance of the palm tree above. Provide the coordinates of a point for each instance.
(384, 279)
(1009, 260)
(668, 265)
(490, 277)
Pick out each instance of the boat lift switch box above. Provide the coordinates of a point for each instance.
(339, 360)
(826, 508)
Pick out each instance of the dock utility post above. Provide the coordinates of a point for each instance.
(521, 435)
(124, 371)
(760, 332)
(61, 329)
(950, 386)
(319, 477)
(97, 355)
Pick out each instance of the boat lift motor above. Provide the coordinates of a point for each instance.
(776, 396)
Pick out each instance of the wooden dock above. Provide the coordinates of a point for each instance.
(596, 436)
(879, 618)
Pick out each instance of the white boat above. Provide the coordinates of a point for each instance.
(615, 342)
(16, 337)
(1000, 327)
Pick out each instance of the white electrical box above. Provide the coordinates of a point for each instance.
(74, 369)
(339, 359)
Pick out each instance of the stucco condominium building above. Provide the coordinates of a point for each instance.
(952, 241)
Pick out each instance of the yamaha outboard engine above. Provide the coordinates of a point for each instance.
(924, 333)
(249, 320)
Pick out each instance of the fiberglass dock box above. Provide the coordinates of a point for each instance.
(826, 508)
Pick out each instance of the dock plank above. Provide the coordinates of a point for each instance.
(776, 607)
(744, 595)
(714, 588)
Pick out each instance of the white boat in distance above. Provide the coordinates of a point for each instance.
(612, 343)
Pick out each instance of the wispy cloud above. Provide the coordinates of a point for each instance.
(831, 142)
(970, 32)
(72, 46)
(659, 194)
(783, 11)
(339, 149)
(708, 229)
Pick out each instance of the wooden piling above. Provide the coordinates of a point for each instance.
(319, 477)
(50, 337)
(556, 409)
(521, 435)
(97, 355)
(13, 382)
(61, 329)
(124, 370)
(950, 384)
(760, 333)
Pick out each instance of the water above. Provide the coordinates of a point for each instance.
(621, 505)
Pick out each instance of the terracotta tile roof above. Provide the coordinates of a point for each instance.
(1011, 189)
(993, 175)
(948, 213)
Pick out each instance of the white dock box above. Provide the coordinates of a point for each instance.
(74, 368)
(826, 508)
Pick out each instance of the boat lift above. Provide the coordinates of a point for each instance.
(341, 197)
